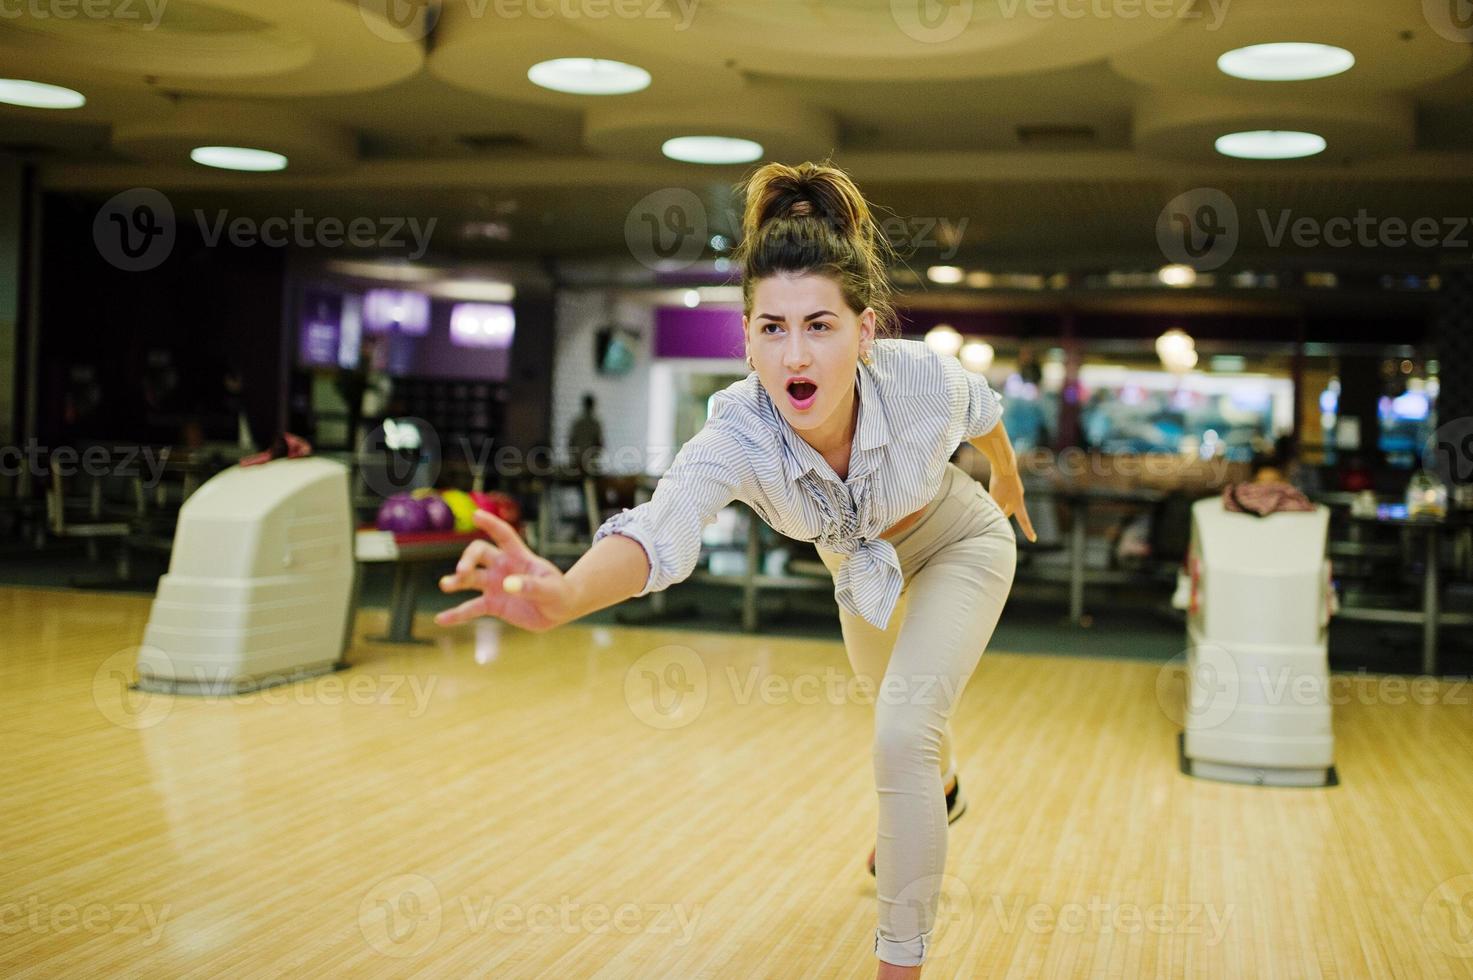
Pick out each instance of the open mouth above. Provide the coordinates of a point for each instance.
(802, 393)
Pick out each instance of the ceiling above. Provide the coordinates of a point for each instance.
(996, 133)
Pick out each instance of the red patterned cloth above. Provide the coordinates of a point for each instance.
(1262, 499)
(286, 445)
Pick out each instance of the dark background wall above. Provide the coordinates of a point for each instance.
(202, 310)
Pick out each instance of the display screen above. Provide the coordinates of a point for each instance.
(614, 350)
(405, 334)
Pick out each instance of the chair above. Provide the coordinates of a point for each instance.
(80, 515)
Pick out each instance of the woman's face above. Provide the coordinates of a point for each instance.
(805, 342)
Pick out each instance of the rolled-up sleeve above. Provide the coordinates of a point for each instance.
(976, 408)
(705, 476)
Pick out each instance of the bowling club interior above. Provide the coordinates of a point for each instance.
(289, 290)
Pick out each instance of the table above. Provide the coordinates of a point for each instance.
(1078, 501)
(1430, 616)
(750, 580)
(407, 552)
(547, 512)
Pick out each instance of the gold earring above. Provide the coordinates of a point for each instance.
(750, 365)
(864, 356)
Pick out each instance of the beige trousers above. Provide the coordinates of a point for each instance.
(957, 560)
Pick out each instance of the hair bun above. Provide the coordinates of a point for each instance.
(810, 190)
(812, 217)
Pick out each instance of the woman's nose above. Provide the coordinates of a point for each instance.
(795, 355)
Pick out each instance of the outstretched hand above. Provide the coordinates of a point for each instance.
(516, 585)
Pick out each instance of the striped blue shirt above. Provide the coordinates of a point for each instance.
(915, 408)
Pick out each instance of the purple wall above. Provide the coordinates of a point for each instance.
(681, 332)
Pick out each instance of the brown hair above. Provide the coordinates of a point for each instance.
(812, 219)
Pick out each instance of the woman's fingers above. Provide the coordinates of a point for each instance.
(463, 613)
(534, 588)
(1025, 523)
(505, 536)
(477, 554)
(472, 570)
(483, 566)
(458, 581)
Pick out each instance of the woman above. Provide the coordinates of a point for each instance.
(844, 439)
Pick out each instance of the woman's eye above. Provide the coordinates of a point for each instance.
(821, 326)
(770, 327)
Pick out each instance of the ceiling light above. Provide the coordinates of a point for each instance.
(39, 95)
(692, 299)
(1177, 350)
(1174, 340)
(238, 158)
(977, 355)
(588, 76)
(947, 275)
(1177, 275)
(476, 290)
(1270, 144)
(1289, 61)
(711, 149)
(397, 271)
(944, 340)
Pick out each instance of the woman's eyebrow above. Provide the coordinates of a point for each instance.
(811, 316)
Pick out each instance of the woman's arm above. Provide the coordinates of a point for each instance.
(998, 448)
(640, 550)
(977, 413)
(613, 570)
(1006, 485)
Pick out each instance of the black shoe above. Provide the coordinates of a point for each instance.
(956, 805)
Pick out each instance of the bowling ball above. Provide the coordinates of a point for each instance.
(503, 505)
(462, 507)
(402, 514)
(438, 513)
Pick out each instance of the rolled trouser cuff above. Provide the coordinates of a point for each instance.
(911, 952)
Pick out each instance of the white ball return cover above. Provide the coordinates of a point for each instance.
(259, 583)
(1258, 707)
